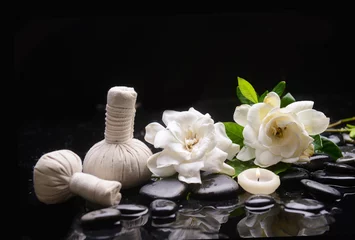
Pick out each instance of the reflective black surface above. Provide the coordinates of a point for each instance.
(64, 67)
(79, 133)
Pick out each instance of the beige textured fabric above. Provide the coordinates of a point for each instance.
(58, 176)
(119, 157)
(94, 189)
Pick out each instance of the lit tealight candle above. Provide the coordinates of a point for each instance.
(259, 181)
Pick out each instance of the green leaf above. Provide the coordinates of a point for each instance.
(287, 99)
(329, 148)
(317, 142)
(350, 126)
(247, 90)
(240, 166)
(188, 195)
(261, 98)
(235, 132)
(352, 133)
(279, 167)
(241, 98)
(279, 88)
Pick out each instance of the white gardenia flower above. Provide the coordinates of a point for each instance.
(273, 134)
(191, 142)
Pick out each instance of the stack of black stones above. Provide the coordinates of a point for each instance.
(165, 208)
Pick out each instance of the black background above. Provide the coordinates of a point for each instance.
(64, 67)
(68, 64)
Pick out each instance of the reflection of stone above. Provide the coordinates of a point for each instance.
(278, 223)
(198, 222)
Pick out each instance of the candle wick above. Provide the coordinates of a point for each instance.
(258, 179)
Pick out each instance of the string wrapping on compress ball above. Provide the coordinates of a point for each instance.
(119, 156)
(58, 176)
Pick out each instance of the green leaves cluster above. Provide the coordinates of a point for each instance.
(247, 95)
(324, 145)
(240, 166)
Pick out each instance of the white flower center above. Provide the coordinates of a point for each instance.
(190, 140)
(278, 131)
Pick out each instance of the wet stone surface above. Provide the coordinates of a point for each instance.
(215, 187)
(169, 188)
(316, 162)
(305, 204)
(333, 178)
(293, 176)
(130, 211)
(259, 203)
(336, 138)
(348, 155)
(321, 191)
(162, 207)
(339, 168)
(98, 219)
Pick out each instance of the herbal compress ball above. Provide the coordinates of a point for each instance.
(58, 176)
(119, 156)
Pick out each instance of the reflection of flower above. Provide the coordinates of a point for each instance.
(191, 142)
(204, 222)
(273, 134)
(278, 223)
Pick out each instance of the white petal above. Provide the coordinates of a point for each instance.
(184, 118)
(190, 172)
(296, 107)
(168, 158)
(246, 154)
(241, 113)
(191, 109)
(257, 113)
(226, 169)
(161, 172)
(273, 99)
(205, 145)
(315, 122)
(290, 160)
(266, 158)
(232, 151)
(250, 137)
(151, 130)
(203, 126)
(223, 141)
(164, 138)
(177, 131)
(214, 160)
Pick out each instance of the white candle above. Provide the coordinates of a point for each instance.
(259, 181)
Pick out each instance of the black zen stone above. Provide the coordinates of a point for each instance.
(129, 211)
(348, 156)
(99, 219)
(215, 187)
(163, 207)
(259, 203)
(293, 176)
(339, 168)
(159, 220)
(336, 138)
(305, 204)
(321, 191)
(168, 188)
(316, 162)
(335, 179)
